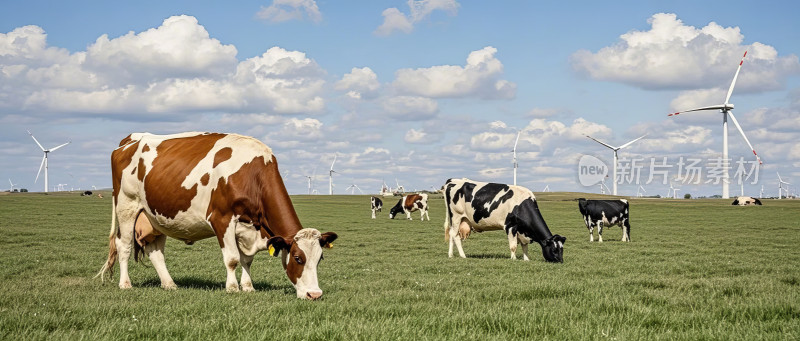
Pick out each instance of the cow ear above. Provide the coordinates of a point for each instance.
(327, 238)
(276, 244)
(560, 239)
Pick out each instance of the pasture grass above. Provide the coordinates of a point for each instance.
(696, 269)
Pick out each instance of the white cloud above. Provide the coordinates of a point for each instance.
(174, 68)
(479, 77)
(359, 83)
(415, 136)
(394, 20)
(674, 55)
(285, 10)
(411, 108)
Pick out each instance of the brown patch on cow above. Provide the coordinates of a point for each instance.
(133, 171)
(120, 159)
(410, 199)
(125, 140)
(204, 179)
(222, 155)
(294, 270)
(233, 263)
(176, 159)
(145, 149)
(257, 195)
(142, 169)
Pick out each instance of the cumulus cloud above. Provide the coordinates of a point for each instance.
(285, 10)
(394, 20)
(359, 83)
(411, 108)
(480, 77)
(415, 136)
(176, 67)
(674, 55)
(538, 132)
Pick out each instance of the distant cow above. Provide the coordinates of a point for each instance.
(485, 206)
(411, 203)
(193, 186)
(745, 201)
(605, 213)
(86, 194)
(377, 204)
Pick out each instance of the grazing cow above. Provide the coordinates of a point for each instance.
(377, 204)
(193, 186)
(602, 213)
(411, 203)
(86, 194)
(745, 201)
(485, 206)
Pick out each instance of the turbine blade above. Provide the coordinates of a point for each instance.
(516, 141)
(736, 123)
(736, 75)
(40, 168)
(334, 161)
(711, 107)
(779, 177)
(35, 140)
(54, 149)
(629, 143)
(601, 142)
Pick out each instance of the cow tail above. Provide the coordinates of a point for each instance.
(447, 217)
(112, 246)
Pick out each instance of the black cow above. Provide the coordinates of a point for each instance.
(482, 206)
(86, 193)
(377, 204)
(603, 213)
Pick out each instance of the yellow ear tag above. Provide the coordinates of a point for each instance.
(330, 245)
(272, 251)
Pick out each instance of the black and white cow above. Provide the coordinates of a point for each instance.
(482, 206)
(377, 204)
(411, 203)
(605, 213)
(745, 201)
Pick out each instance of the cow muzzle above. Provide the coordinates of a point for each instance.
(312, 295)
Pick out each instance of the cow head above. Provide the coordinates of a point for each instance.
(582, 205)
(300, 257)
(553, 249)
(396, 209)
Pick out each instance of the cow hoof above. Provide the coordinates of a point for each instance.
(125, 285)
(248, 288)
(232, 288)
(169, 286)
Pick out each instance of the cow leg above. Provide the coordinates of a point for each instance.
(524, 251)
(600, 231)
(230, 256)
(626, 230)
(373, 213)
(127, 210)
(247, 283)
(155, 251)
(455, 238)
(591, 231)
(512, 244)
(427, 214)
(408, 215)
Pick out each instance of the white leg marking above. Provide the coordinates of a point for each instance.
(512, 244)
(247, 283)
(155, 251)
(230, 256)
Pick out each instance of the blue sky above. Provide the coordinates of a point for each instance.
(420, 95)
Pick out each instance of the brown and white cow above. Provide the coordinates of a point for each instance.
(192, 186)
(411, 203)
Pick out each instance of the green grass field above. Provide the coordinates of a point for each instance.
(696, 269)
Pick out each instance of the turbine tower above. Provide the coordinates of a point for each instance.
(726, 108)
(615, 149)
(330, 176)
(780, 186)
(44, 161)
(514, 151)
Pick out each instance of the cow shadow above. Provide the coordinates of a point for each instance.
(489, 256)
(192, 282)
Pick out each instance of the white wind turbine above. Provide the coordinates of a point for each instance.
(726, 108)
(12, 185)
(615, 149)
(311, 179)
(44, 160)
(639, 191)
(546, 188)
(399, 188)
(330, 176)
(671, 189)
(514, 151)
(353, 189)
(603, 187)
(675, 192)
(780, 186)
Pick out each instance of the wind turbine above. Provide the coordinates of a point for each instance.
(311, 179)
(399, 188)
(638, 193)
(603, 187)
(780, 186)
(514, 150)
(330, 176)
(726, 108)
(615, 149)
(546, 188)
(353, 189)
(675, 192)
(44, 160)
(761, 196)
(671, 190)
(12, 185)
